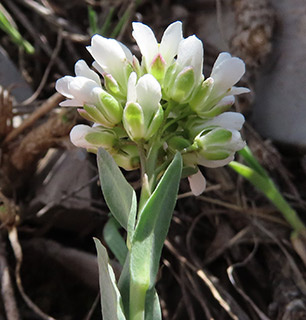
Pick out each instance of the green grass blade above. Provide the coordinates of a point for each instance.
(249, 158)
(14, 34)
(267, 186)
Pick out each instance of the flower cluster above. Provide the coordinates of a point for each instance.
(163, 100)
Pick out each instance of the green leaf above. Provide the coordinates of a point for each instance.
(131, 221)
(267, 186)
(124, 284)
(114, 240)
(152, 309)
(110, 296)
(150, 234)
(118, 193)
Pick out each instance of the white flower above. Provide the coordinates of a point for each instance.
(93, 137)
(226, 72)
(185, 75)
(197, 183)
(227, 120)
(82, 89)
(217, 93)
(78, 134)
(111, 57)
(147, 91)
(190, 54)
(149, 47)
(143, 113)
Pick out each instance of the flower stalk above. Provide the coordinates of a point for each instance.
(161, 115)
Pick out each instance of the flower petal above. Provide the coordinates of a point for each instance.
(190, 53)
(221, 57)
(226, 101)
(71, 103)
(148, 92)
(236, 143)
(197, 183)
(238, 90)
(81, 69)
(81, 88)
(227, 120)
(170, 41)
(110, 55)
(131, 91)
(77, 136)
(146, 41)
(227, 73)
(215, 163)
(96, 65)
(62, 86)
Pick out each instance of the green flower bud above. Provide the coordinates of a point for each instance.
(106, 111)
(183, 85)
(110, 108)
(178, 143)
(127, 157)
(139, 124)
(84, 114)
(93, 138)
(155, 123)
(143, 113)
(158, 66)
(104, 138)
(133, 121)
(218, 143)
(169, 79)
(112, 87)
(201, 93)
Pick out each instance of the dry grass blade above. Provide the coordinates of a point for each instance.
(46, 107)
(202, 275)
(7, 291)
(13, 237)
(230, 272)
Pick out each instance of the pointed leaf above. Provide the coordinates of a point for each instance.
(152, 309)
(110, 296)
(114, 240)
(118, 193)
(153, 225)
(124, 284)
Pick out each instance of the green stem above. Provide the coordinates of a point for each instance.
(137, 301)
(155, 144)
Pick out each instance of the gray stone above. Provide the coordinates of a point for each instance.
(10, 77)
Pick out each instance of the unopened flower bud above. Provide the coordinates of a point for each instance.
(92, 138)
(178, 143)
(183, 85)
(112, 86)
(143, 113)
(127, 157)
(158, 67)
(217, 145)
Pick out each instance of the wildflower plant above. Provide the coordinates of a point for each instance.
(159, 114)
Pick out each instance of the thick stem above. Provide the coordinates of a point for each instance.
(137, 301)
